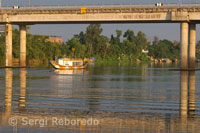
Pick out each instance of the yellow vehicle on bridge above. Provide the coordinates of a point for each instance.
(83, 10)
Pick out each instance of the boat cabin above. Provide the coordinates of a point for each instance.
(70, 62)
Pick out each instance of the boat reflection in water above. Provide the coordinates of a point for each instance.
(64, 81)
(69, 71)
(108, 120)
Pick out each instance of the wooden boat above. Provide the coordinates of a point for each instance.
(66, 63)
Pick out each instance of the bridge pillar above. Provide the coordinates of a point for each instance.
(22, 29)
(8, 48)
(192, 46)
(184, 46)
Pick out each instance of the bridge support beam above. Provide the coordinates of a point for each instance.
(8, 48)
(184, 46)
(192, 46)
(22, 29)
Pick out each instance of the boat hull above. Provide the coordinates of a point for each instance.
(58, 66)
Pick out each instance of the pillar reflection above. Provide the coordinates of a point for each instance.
(183, 93)
(187, 96)
(22, 92)
(8, 94)
(191, 93)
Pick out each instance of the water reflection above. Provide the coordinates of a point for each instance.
(90, 102)
(8, 94)
(22, 92)
(187, 94)
(183, 93)
(66, 78)
(191, 94)
(187, 98)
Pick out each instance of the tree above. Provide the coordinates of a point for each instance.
(79, 49)
(141, 41)
(164, 49)
(80, 37)
(116, 40)
(129, 35)
(15, 43)
(155, 40)
(95, 42)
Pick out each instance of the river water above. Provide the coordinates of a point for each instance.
(139, 98)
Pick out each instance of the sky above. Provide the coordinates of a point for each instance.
(163, 31)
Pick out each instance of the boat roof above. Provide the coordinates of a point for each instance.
(68, 59)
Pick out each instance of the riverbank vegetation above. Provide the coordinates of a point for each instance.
(127, 47)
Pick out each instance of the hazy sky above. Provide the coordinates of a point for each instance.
(163, 31)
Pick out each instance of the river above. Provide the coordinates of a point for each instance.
(136, 98)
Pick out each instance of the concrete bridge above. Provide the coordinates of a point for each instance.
(188, 17)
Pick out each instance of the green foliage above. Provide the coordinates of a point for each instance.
(15, 43)
(129, 35)
(37, 47)
(143, 57)
(198, 50)
(79, 49)
(120, 48)
(164, 49)
(94, 41)
(2, 48)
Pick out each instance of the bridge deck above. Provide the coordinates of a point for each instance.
(100, 10)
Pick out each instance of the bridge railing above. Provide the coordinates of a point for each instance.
(105, 6)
